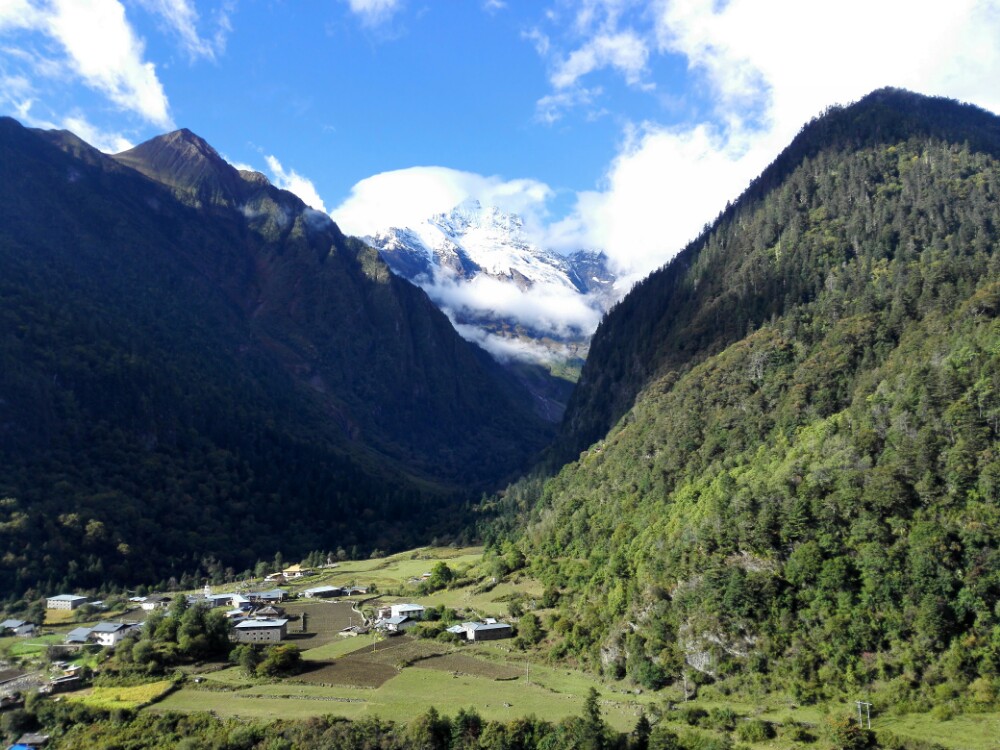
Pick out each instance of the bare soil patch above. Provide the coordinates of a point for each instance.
(324, 621)
(347, 670)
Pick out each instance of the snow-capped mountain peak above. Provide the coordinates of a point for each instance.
(500, 289)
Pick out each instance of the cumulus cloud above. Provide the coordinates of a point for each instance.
(293, 182)
(625, 51)
(374, 12)
(101, 49)
(107, 54)
(406, 197)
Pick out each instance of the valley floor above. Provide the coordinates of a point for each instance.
(399, 678)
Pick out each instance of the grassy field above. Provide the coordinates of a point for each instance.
(492, 603)
(59, 616)
(122, 697)
(393, 571)
(966, 732)
(32, 646)
(404, 696)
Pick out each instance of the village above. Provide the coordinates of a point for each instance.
(364, 629)
(256, 616)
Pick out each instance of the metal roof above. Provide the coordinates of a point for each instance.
(78, 634)
(269, 623)
(109, 627)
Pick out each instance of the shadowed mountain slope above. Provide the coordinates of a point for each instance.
(193, 364)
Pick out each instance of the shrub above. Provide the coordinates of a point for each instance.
(754, 730)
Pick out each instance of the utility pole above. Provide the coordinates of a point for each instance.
(527, 677)
(868, 712)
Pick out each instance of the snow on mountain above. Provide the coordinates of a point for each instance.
(517, 300)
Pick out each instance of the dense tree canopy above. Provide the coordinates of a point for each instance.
(807, 483)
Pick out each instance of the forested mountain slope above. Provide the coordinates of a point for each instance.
(807, 486)
(195, 365)
(708, 298)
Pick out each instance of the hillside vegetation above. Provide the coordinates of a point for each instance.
(803, 488)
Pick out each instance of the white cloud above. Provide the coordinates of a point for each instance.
(293, 182)
(406, 197)
(623, 51)
(661, 190)
(505, 349)
(182, 17)
(18, 14)
(492, 6)
(550, 308)
(108, 142)
(105, 51)
(374, 12)
(767, 69)
(101, 48)
(551, 108)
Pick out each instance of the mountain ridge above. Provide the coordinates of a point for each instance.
(885, 115)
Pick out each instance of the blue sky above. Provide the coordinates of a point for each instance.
(616, 124)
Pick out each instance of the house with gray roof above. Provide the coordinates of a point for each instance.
(491, 630)
(396, 624)
(260, 631)
(274, 595)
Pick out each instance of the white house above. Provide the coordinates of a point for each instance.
(260, 631)
(110, 633)
(155, 601)
(65, 601)
(413, 611)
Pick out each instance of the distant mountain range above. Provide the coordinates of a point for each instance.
(526, 305)
(193, 365)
